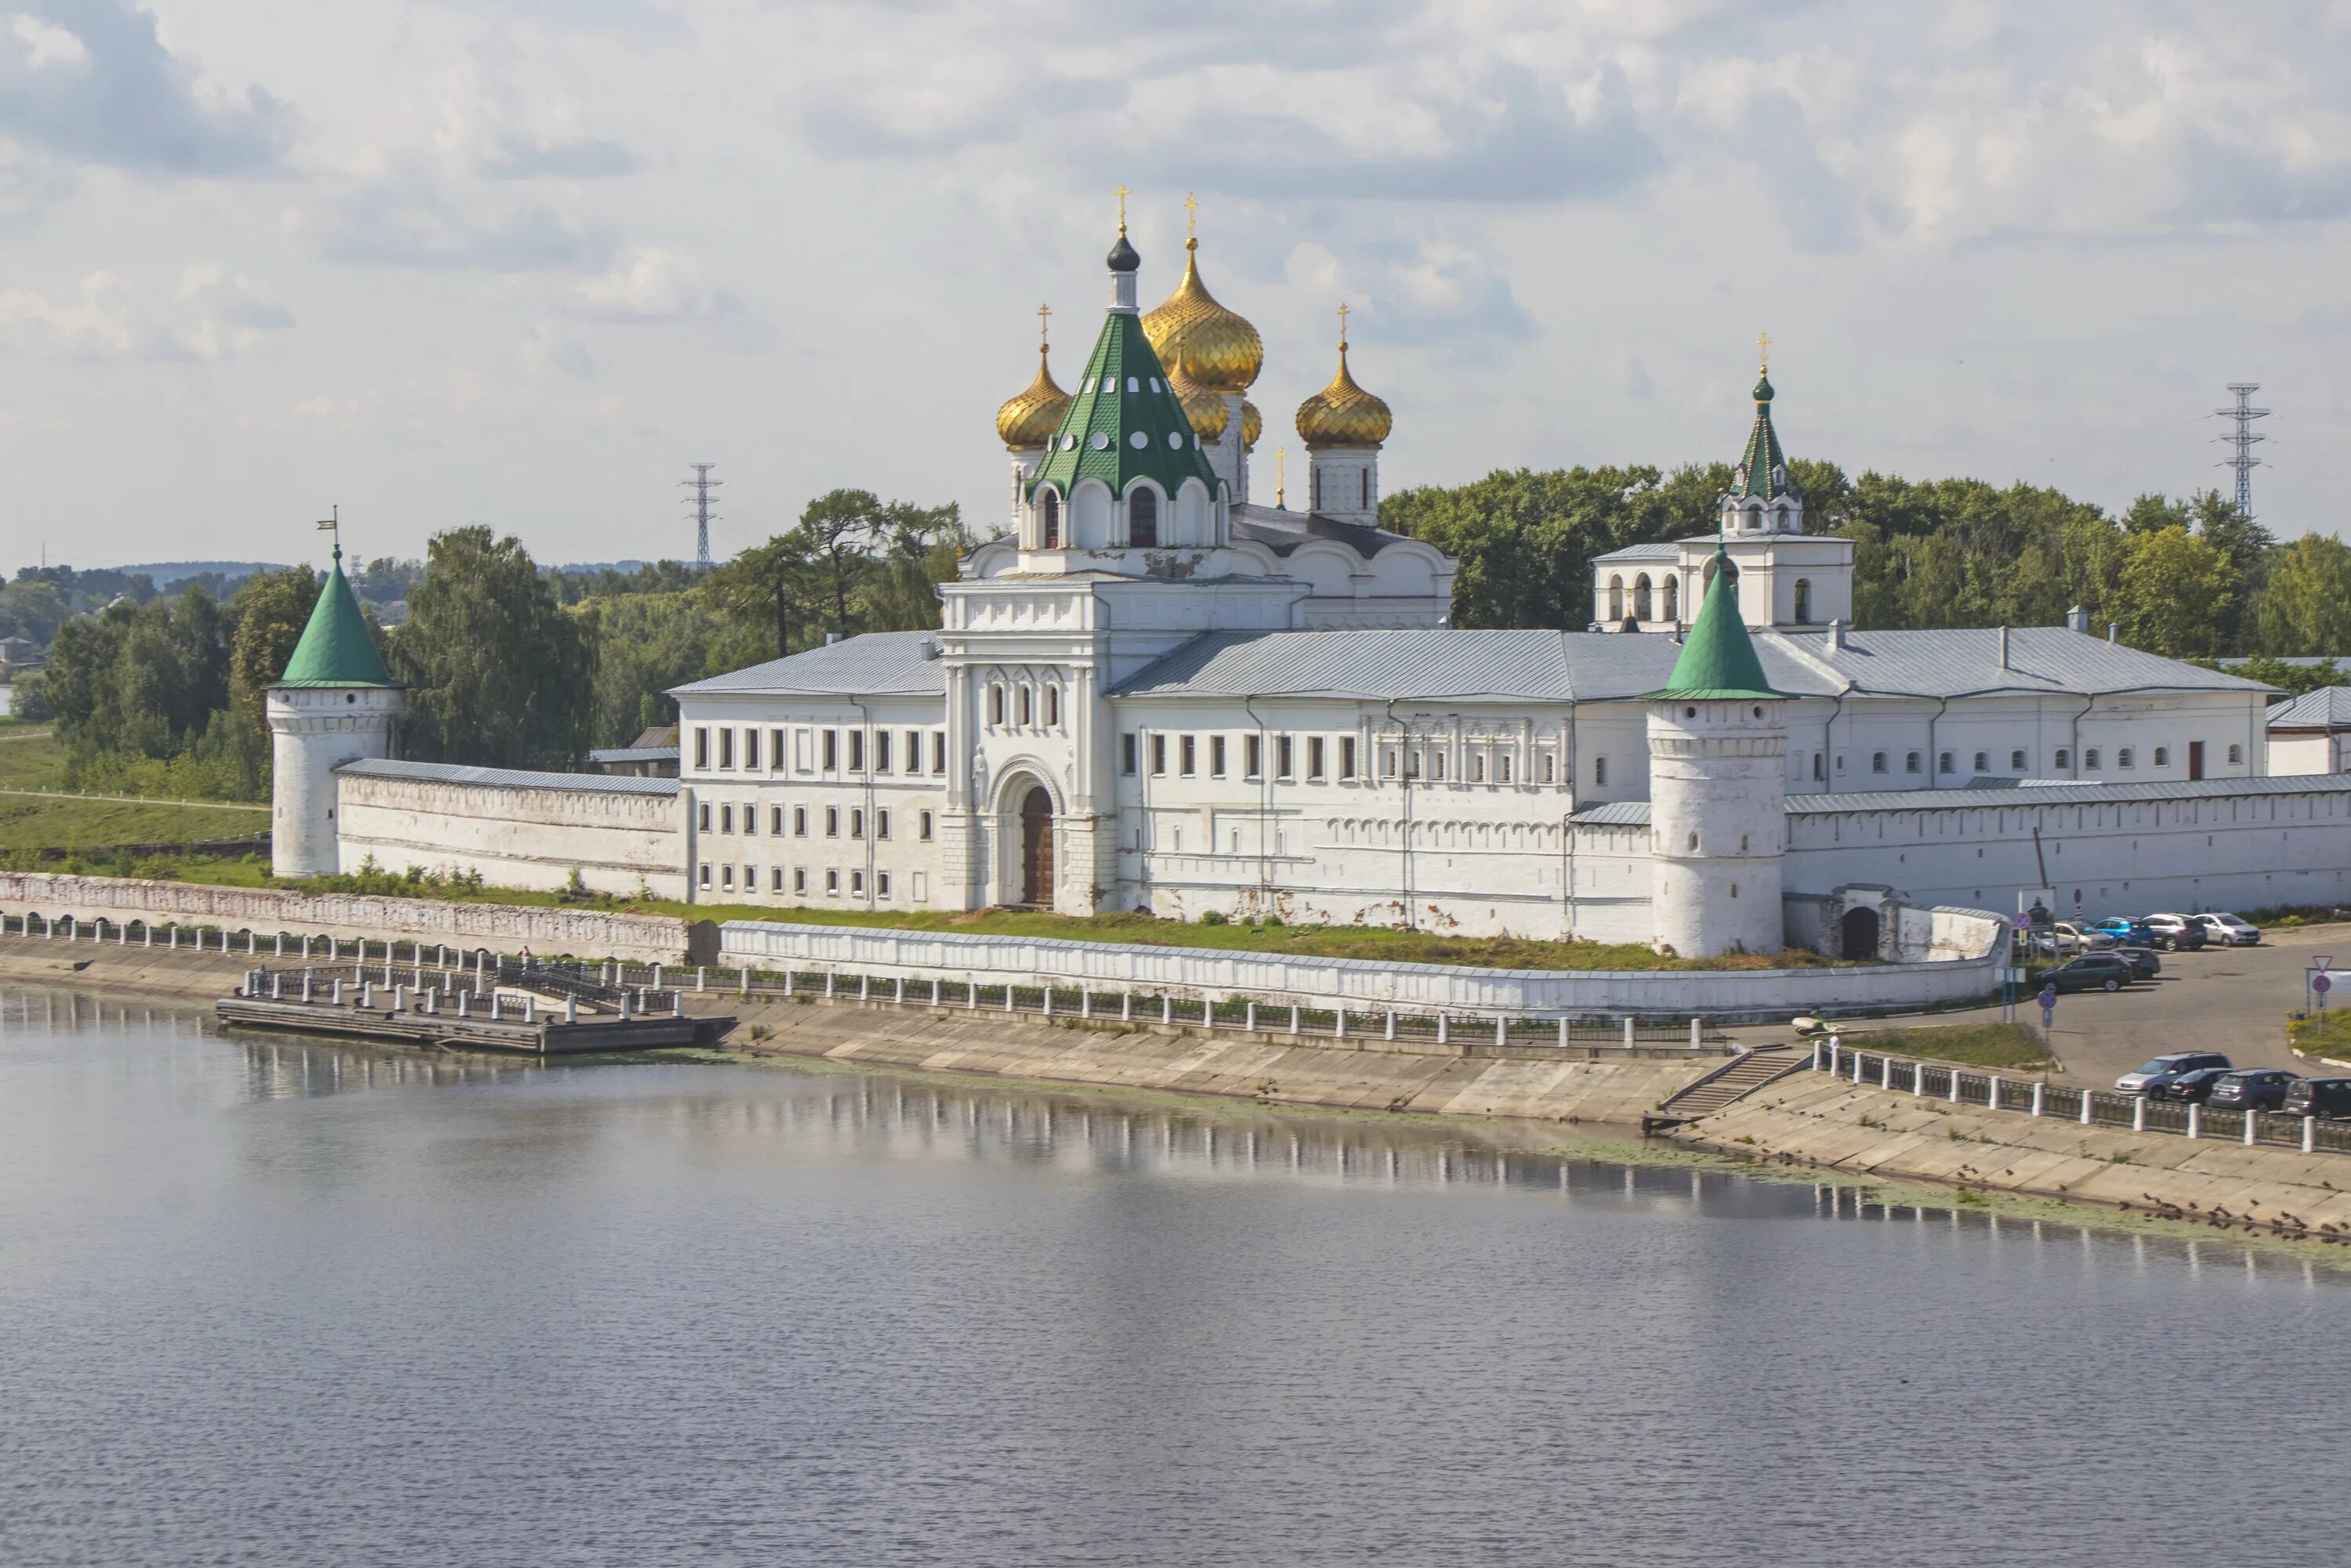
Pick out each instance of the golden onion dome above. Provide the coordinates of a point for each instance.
(1030, 418)
(1203, 408)
(1219, 349)
(1343, 413)
(1252, 425)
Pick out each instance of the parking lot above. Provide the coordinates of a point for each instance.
(2230, 999)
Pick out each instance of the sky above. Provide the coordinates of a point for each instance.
(520, 262)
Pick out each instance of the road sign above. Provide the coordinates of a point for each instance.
(2024, 917)
(2322, 961)
(2048, 998)
(2321, 984)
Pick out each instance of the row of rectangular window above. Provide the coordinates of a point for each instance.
(723, 880)
(2093, 760)
(1325, 759)
(722, 818)
(822, 754)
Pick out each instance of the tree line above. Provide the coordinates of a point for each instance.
(507, 664)
(2189, 578)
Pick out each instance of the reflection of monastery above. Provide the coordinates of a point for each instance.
(1154, 694)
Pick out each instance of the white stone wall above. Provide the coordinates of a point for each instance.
(266, 912)
(2308, 751)
(313, 731)
(619, 841)
(1717, 822)
(1422, 987)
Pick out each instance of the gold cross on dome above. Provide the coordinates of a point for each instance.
(1122, 193)
(1191, 215)
(1343, 313)
(1763, 351)
(1044, 320)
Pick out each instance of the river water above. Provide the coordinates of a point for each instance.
(265, 1301)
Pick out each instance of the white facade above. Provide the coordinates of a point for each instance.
(314, 731)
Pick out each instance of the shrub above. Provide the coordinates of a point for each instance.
(1213, 917)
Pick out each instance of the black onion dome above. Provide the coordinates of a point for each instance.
(1122, 255)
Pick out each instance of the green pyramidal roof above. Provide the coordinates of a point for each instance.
(1098, 437)
(1763, 467)
(336, 649)
(1718, 659)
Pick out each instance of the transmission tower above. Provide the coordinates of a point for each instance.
(701, 484)
(2242, 439)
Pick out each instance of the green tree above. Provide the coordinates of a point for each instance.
(2304, 606)
(271, 610)
(774, 586)
(502, 675)
(2294, 680)
(2175, 587)
(647, 644)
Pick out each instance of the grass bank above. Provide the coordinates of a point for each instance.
(1374, 943)
(30, 823)
(1998, 1046)
(2326, 1034)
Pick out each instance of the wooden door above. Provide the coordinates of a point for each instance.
(2196, 759)
(1036, 848)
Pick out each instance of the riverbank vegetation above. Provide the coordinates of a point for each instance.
(2000, 1047)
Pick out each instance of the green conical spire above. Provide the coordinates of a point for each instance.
(1719, 661)
(1763, 467)
(336, 649)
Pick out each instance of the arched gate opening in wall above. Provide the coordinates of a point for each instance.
(1858, 933)
(1036, 848)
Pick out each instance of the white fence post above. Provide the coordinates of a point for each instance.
(1917, 1080)
(1857, 1057)
(1991, 1092)
(699, 981)
(2252, 1126)
(1501, 1031)
(2310, 1135)
(1628, 1031)
(2085, 1107)
(1885, 1073)
(2195, 1119)
(1125, 1006)
(1836, 1044)
(1817, 1053)
(1248, 1018)
(1697, 1036)
(1339, 1023)
(2040, 1096)
(1293, 1017)
(2138, 1113)
(1444, 1029)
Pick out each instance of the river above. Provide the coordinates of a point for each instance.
(271, 1302)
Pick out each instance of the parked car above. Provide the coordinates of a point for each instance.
(2125, 931)
(2090, 972)
(2164, 1068)
(2085, 938)
(2171, 931)
(2327, 1097)
(2144, 964)
(2191, 1088)
(2230, 931)
(2254, 1089)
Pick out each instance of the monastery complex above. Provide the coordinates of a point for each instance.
(1152, 693)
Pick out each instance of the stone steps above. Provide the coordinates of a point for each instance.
(1741, 1079)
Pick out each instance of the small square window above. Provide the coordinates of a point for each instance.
(702, 816)
(800, 822)
(2124, 759)
(1126, 755)
(832, 821)
(1216, 757)
(1910, 762)
(776, 822)
(2090, 758)
(779, 879)
(2162, 756)
(2016, 762)
(881, 884)
(704, 877)
(1187, 752)
(856, 822)
(857, 751)
(832, 884)
(1282, 762)
(1346, 757)
(1877, 762)
(857, 884)
(1158, 756)
(939, 752)
(924, 825)
(726, 878)
(881, 823)
(832, 749)
(725, 819)
(800, 879)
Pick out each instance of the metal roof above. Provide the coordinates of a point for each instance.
(1665, 551)
(1283, 531)
(1967, 662)
(2328, 708)
(507, 777)
(1622, 813)
(879, 664)
(635, 754)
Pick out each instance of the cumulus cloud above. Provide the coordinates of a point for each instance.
(492, 123)
(213, 315)
(91, 81)
(652, 284)
(415, 215)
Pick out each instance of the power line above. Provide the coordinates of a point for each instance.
(2242, 439)
(701, 484)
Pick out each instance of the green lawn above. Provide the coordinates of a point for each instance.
(1319, 941)
(66, 823)
(2324, 1034)
(31, 759)
(1992, 1045)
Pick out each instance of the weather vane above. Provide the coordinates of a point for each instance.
(1122, 193)
(334, 525)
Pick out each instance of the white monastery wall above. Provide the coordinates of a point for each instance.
(530, 838)
(2312, 752)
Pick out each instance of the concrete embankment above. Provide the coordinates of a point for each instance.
(1815, 1120)
(1445, 1080)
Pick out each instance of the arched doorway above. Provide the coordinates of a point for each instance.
(1037, 847)
(1858, 933)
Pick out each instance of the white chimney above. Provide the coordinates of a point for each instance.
(2078, 620)
(2003, 647)
(1836, 636)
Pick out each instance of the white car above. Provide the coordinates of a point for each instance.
(2229, 930)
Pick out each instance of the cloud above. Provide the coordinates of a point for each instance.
(416, 217)
(91, 81)
(213, 315)
(548, 350)
(652, 284)
(495, 124)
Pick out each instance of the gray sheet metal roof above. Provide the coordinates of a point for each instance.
(507, 777)
(879, 664)
(2328, 708)
(1524, 666)
(635, 754)
(1642, 553)
(1947, 663)
(1283, 531)
(1620, 814)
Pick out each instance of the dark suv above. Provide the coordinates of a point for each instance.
(2159, 1074)
(2191, 1088)
(2327, 1097)
(2256, 1089)
(2091, 972)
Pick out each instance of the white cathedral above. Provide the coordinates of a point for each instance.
(1155, 696)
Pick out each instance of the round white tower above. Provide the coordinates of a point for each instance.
(1717, 792)
(334, 704)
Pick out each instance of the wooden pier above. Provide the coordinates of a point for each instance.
(543, 1011)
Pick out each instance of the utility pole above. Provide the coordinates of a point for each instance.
(2243, 439)
(701, 484)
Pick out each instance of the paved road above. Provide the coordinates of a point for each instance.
(2232, 999)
